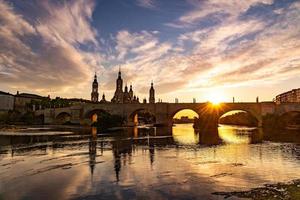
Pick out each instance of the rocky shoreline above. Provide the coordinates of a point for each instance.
(282, 191)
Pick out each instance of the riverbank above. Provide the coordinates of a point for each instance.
(17, 128)
(286, 191)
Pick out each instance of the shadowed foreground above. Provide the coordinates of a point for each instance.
(287, 191)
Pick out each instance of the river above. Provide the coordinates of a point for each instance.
(142, 163)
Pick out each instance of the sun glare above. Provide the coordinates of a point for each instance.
(216, 97)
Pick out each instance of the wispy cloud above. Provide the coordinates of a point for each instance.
(44, 56)
(68, 22)
(203, 9)
(146, 3)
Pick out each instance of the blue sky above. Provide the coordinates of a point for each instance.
(189, 48)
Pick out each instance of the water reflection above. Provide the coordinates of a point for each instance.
(164, 163)
(93, 150)
(240, 135)
(185, 134)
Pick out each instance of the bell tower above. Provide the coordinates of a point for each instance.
(151, 94)
(95, 94)
(118, 97)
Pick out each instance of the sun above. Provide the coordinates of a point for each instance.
(216, 97)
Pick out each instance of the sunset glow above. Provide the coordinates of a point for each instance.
(216, 96)
(186, 112)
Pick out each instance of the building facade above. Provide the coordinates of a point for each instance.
(292, 96)
(27, 102)
(6, 101)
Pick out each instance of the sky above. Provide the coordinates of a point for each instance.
(203, 49)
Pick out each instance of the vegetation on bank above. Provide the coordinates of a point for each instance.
(48, 103)
(146, 118)
(287, 191)
(275, 122)
(15, 117)
(106, 121)
(240, 118)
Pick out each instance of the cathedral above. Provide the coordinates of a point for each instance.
(120, 96)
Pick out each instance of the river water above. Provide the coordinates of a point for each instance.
(142, 163)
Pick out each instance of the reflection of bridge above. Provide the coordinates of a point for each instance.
(163, 112)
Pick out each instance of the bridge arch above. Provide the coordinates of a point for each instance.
(239, 117)
(134, 117)
(253, 109)
(94, 114)
(63, 117)
(186, 112)
(181, 109)
(292, 112)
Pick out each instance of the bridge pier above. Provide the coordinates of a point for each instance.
(130, 122)
(49, 116)
(207, 122)
(76, 116)
(164, 120)
(259, 122)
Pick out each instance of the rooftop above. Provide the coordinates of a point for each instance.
(5, 93)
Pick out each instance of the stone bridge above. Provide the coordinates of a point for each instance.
(163, 112)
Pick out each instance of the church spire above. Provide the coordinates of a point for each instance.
(119, 71)
(152, 93)
(95, 94)
(118, 97)
(131, 93)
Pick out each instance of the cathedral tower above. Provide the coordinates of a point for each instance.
(95, 94)
(126, 96)
(118, 97)
(131, 93)
(151, 94)
(119, 81)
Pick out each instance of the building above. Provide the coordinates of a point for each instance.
(6, 101)
(151, 94)
(131, 92)
(120, 96)
(25, 101)
(103, 100)
(95, 94)
(183, 120)
(126, 96)
(292, 96)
